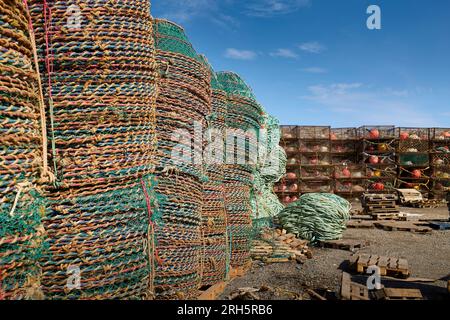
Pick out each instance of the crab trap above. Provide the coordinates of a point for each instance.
(413, 140)
(320, 186)
(289, 133)
(345, 146)
(440, 134)
(413, 159)
(379, 147)
(414, 174)
(380, 159)
(314, 132)
(377, 132)
(291, 147)
(440, 159)
(344, 134)
(354, 171)
(316, 159)
(349, 186)
(440, 188)
(319, 172)
(441, 173)
(423, 187)
(314, 146)
(344, 159)
(383, 172)
(376, 185)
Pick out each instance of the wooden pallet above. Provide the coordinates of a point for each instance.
(385, 216)
(351, 290)
(379, 207)
(390, 210)
(360, 224)
(383, 207)
(389, 266)
(402, 294)
(402, 226)
(344, 244)
(212, 292)
(379, 197)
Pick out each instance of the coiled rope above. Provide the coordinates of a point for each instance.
(316, 217)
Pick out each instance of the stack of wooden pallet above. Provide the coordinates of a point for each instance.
(381, 206)
(387, 266)
(279, 246)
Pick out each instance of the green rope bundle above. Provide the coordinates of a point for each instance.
(316, 217)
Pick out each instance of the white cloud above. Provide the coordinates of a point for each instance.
(363, 105)
(268, 8)
(233, 53)
(398, 93)
(315, 70)
(182, 11)
(284, 53)
(312, 47)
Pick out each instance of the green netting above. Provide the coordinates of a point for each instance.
(22, 245)
(215, 83)
(233, 84)
(316, 217)
(184, 101)
(106, 235)
(171, 37)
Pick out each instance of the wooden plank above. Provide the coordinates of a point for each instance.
(373, 260)
(315, 294)
(403, 264)
(359, 292)
(382, 264)
(393, 262)
(360, 224)
(400, 293)
(345, 286)
(213, 292)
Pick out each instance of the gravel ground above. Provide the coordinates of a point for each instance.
(428, 257)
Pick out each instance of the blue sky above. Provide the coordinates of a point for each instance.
(315, 62)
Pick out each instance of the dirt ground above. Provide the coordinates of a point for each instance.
(428, 256)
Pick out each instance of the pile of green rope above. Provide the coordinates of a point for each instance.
(316, 217)
(271, 168)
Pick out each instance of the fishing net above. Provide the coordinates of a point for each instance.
(316, 217)
(272, 167)
(244, 119)
(214, 220)
(171, 37)
(97, 61)
(22, 236)
(178, 236)
(99, 72)
(106, 233)
(22, 245)
(183, 104)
